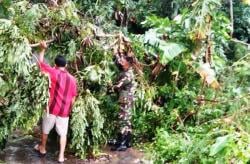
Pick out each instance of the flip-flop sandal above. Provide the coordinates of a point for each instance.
(37, 150)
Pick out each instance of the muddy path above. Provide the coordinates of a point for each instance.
(19, 150)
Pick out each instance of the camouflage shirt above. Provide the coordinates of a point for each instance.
(126, 81)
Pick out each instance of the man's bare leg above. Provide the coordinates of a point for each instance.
(63, 141)
(42, 147)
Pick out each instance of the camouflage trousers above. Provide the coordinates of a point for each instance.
(126, 104)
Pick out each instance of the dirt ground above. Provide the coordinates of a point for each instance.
(19, 150)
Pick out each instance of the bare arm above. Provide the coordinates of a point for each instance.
(45, 68)
(73, 100)
(41, 55)
(43, 47)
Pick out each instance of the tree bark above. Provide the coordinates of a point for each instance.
(231, 17)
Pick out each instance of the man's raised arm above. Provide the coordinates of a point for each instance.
(45, 68)
(43, 47)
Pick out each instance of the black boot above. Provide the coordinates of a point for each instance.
(128, 140)
(121, 143)
(114, 142)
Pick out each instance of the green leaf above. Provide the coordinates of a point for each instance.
(93, 75)
(170, 50)
(220, 144)
(152, 37)
(72, 48)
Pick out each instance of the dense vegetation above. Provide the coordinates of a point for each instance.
(193, 96)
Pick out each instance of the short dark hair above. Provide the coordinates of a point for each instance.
(60, 61)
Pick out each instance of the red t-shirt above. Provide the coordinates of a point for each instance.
(62, 89)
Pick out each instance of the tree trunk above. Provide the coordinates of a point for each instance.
(231, 17)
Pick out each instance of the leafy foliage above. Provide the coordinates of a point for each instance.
(213, 137)
(242, 22)
(87, 125)
(23, 90)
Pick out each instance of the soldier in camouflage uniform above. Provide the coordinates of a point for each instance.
(125, 86)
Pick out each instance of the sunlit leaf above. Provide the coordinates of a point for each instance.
(170, 50)
(152, 37)
(220, 144)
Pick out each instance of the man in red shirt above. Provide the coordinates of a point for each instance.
(62, 93)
